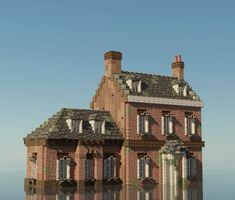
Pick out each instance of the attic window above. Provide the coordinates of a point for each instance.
(98, 126)
(134, 85)
(75, 125)
(180, 89)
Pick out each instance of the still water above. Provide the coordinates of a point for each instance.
(218, 184)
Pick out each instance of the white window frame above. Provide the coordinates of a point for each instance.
(143, 123)
(98, 126)
(190, 125)
(63, 168)
(143, 168)
(167, 124)
(75, 125)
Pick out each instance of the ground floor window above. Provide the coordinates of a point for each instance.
(110, 167)
(63, 168)
(143, 167)
(89, 167)
(33, 160)
(191, 167)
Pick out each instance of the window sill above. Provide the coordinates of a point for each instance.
(68, 183)
(112, 181)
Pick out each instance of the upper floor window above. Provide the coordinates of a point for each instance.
(143, 167)
(190, 124)
(110, 167)
(142, 122)
(167, 123)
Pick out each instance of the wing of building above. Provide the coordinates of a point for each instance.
(142, 128)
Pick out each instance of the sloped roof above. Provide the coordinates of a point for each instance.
(57, 128)
(157, 85)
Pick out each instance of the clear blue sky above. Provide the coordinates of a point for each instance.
(51, 56)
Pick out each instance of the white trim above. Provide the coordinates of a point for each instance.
(138, 168)
(170, 125)
(146, 124)
(138, 124)
(147, 169)
(81, 126)
(186, 125)
(164, 101)
(57, 169)
(193, 126)
(184, 167)
(139, 89)
(163, 125)
(68, 169)
(103, 127)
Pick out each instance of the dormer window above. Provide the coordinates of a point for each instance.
(190, 124)
(180, 89)
(75, 125)
(142, 122)
(98, 126)
(167, 123)
(134, 85)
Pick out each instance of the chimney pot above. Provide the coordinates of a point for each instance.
(112, 63)
(178, 68)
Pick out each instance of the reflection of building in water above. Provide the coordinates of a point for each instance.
(117, 193)
(142, 130)
(63, 196)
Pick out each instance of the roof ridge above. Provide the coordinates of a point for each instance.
(141, 73)
(81, 109)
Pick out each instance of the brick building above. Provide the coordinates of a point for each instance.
(142, 129)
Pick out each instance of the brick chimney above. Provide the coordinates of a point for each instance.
(178, 68)
(112, 63)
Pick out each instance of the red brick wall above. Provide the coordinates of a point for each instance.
(109, 97)
(155, 112)
(39, 151)
(131, 164)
